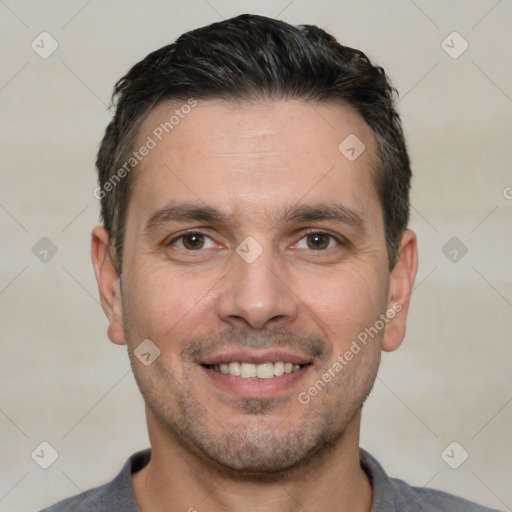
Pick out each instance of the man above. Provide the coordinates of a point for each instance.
(255, 259)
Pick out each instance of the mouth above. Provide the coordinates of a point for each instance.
(246, 370)
(256, 374)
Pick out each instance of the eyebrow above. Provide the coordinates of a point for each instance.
(181, 212)
(295, 214)
(330, 212)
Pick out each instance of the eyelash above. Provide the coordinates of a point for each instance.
(338, 239)
(179, 237)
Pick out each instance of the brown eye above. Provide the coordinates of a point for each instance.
(193, 241)
(190, 242)
(318, 241)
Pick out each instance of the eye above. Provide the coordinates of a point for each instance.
(317, 241)
(192, 241)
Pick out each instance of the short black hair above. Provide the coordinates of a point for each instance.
(252, 57)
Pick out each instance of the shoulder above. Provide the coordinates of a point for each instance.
(114, 496)
(392, 494)
(91, 500)
(409, 498)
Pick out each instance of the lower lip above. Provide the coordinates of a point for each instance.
(254, 387)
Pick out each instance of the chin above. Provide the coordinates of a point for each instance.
(254, 450)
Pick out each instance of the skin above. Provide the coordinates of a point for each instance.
(212, 448)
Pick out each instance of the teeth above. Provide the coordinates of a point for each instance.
(265, 371)
(248, 370)
(234, 369)
(278, 368)
(260, 371)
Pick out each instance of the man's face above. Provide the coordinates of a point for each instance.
(251, 238)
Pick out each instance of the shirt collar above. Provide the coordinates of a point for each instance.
(382, 500)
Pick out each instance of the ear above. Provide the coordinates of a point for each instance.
(400, 289)
(108, 281)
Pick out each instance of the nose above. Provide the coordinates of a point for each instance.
(257, 294)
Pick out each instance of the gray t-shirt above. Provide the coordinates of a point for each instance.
(389, 494)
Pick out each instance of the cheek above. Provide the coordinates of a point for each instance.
(346, 302)
(164, 302)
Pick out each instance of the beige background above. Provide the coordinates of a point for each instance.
(64, 383)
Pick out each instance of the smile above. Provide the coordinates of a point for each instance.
(255, 371)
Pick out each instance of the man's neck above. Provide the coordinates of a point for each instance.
(175, 479)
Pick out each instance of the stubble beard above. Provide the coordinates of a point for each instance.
(253, 449)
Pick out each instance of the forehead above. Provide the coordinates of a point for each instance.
(265, 154)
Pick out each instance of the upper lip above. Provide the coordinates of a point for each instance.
(256, 357)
